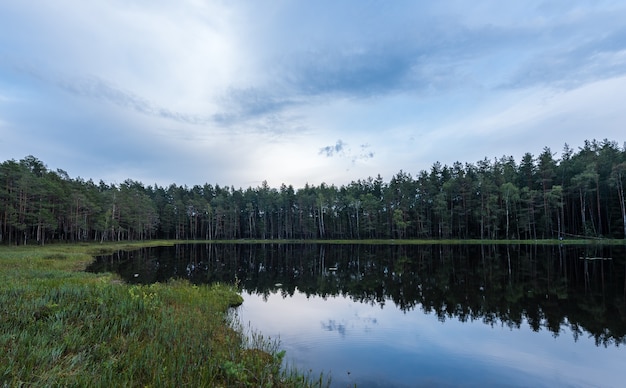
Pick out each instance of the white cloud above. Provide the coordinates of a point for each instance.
(195, 91)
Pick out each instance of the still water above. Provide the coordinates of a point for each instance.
(406, 316)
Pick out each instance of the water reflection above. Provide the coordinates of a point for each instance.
(415, 349)
(582, 288)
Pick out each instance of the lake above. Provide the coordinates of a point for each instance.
(420, 315)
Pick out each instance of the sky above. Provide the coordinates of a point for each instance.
(240, 92)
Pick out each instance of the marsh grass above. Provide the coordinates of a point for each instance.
(60, 326)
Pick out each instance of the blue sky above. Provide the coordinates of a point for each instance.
(237, 92)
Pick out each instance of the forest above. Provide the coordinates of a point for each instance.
(579, 195)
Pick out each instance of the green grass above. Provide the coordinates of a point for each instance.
(61, 326)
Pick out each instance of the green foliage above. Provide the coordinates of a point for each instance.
(62, 327)
(491, 199)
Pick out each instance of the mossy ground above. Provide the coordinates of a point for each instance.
(61, 326)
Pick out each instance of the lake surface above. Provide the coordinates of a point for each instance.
(407, 316)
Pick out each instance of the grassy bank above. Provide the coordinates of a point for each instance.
(60, 326)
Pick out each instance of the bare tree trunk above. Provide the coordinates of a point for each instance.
(622, 204)
(582, 210)
(598, 204)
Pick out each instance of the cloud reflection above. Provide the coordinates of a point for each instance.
(396, 347)
(332, 325)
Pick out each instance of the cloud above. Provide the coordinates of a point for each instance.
(228, 92)
(593, 59)
(331, 150)
(340, 149)
(250, 110)
(363, 154)
(449, 51)
(362, 72)
(240, 105)
(98, 89)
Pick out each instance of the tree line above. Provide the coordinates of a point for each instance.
(579, 195)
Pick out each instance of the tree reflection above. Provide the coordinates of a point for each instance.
(548, 286)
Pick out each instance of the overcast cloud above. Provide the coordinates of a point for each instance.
(292, 92)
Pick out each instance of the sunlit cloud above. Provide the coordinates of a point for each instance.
(214, 87)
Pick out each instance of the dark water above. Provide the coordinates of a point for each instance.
(440, 315)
